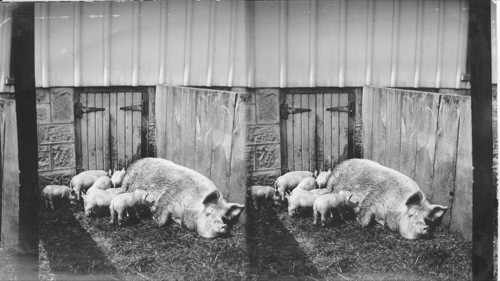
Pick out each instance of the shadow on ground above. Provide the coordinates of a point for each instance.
(71, 251)
(274, 252)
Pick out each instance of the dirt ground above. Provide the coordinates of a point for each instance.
(269, 246)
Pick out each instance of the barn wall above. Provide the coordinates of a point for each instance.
(428, 137)
(263, 142)
(5, 32)
(252, 43)
(56, 135)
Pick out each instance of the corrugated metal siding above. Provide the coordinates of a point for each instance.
(309, 43)
(5, 32)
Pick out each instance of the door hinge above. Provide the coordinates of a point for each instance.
(285, 110)
(80, 109)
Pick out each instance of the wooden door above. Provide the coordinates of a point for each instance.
(111, 128)
(316, 128)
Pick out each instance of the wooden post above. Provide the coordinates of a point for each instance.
(479, 56)
(23, 66)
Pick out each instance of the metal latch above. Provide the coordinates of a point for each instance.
(285, 110)
(80, 109)
(345, 108)
(135, 107)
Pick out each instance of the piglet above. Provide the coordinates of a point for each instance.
(127, 202)
(326, 204)
(319, 191)
(307, 183)
(53, 193)
(322, 178)
(263, 196)
(96, 197)
(287, 182)
(300, 198)
(84, 180)
(117, 177)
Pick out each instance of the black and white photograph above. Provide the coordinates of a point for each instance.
(249, 139)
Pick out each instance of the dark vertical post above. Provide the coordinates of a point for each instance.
(23, 66)
(479, 55)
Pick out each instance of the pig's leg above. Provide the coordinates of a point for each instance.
(120, 217)
(112, 213)
(365, 216)
(315, 217)
(164, 217)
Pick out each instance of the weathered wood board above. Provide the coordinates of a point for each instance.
(205, 130)
(9, 172)
(429, 134)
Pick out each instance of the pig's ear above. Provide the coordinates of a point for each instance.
(437, 211)
(315, 173)
(414, 199)
(123, 169)
(110, 173)
(211, 198)
(234, 211)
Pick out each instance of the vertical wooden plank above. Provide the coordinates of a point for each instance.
(84, 134)
(99, 133)
(221, 141)
(128, 129)
(446, 149)
(461, 211)
(297, 134)
(160, 121)
(136, 127)
(367, 110)
(312, 133)
(335, 130)
(113, 127)
(91, 132)
(426, 141)
(389, 143)
(183, 94)
(204, 131)
(190, 143)
(320, 133)
(290, 128)
(120, 130)
(10, 177)
(169, 104)
(408, 134)
(376, 124)
(305, 133)
(343, 128)
(176, 125)
(105, 131)
(238, 176)
(395, 129)
(327, 132)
